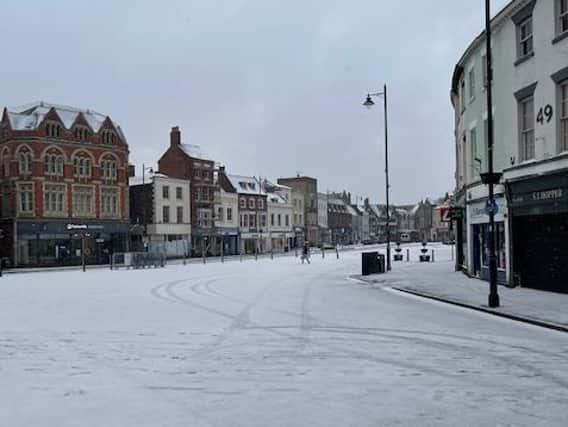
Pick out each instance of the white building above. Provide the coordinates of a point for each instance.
(325, 236)
(530, 41)
(226, 219)
(162, 206)
(280, 217)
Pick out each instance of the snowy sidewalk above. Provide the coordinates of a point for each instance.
(439, 281)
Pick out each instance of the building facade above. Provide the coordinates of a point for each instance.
(280, 217)
(162, 209)
(340, 222)
(307, 189)
(187, 162)
(324, 235)
(226, 215)
(63, 186)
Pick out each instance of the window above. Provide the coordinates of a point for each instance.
(260, 204)
(287, 217)
(26, 198)
(109, 170)
(54, 199)
(244, 220)
(108, 137)
(252, 220)
(109, 202)
(272, 219)
(279, 220)
(471, 84)
(25, 161)
(204, 217)
(526, 127)
(220, 214)
(462, 95)
(82, 166)
(179, 193)
(484, 71)
(263, 220)
(229, 214)
(562, 16)
(300, 217)
(484, 156)
(81, 133)
(525, 38)
(475, 160)
(251, 203)
(165, 192)
(5, 163)
(563, 89)
(165, 214)
(53, 130)
(54, 164)
(179, 214)
(83, 201)
(243, 203)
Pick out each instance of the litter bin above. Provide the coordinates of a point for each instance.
(382, 261)
(370, 263)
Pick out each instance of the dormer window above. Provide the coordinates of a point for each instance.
(53, 130)
(81, 133)
(108, 137)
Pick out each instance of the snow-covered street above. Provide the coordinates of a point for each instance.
(272, 342)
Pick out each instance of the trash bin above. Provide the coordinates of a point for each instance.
(369, 263)
(382, 260)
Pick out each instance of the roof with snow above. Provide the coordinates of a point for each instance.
(246, 185)
(194, 151)
(30, 116)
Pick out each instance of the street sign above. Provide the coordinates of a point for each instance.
(445, 215)
(491, 207)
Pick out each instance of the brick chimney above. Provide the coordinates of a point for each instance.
(175, 136)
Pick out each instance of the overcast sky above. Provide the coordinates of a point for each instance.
(267, 87)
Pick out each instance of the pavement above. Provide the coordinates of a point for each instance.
(439, 281)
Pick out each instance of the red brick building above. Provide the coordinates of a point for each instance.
(63, 184)
(186, 161)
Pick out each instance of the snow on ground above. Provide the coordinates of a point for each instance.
(272, 342)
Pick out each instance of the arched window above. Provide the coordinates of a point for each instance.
(108, 137)
(54, 163)
(25, 161)
(82, 165)
(109, 169)
(81, 133)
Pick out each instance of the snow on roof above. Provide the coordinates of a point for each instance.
(246, 185)
(193, 150)
(30, 116)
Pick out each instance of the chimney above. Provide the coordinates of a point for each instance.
(175, 136)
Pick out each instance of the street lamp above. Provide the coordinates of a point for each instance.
(369, 104)
(490, 178)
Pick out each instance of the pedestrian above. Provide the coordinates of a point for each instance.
(306, 253)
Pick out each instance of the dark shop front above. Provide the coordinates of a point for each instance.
(60, 243)
(539, 225)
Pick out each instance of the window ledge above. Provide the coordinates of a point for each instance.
(524, 59)
(560, 37)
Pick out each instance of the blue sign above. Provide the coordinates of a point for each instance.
(491, 207)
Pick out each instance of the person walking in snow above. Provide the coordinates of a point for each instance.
(306, 253)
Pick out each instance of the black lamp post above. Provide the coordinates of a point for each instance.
(490, 178)
(369, 104)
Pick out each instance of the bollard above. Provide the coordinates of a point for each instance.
(322, 252)
(271, 253)
(337, 251)
(452, 249)
(1, 266)
(432, 255)
(256, 255)
(408, 255)
(241, 256)
(296, 251)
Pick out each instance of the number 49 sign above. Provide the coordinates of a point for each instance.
(545, 114)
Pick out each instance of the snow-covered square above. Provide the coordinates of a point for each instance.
(272, 342)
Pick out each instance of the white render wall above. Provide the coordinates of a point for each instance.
(158, 227)
(227, 200)
(549, 58)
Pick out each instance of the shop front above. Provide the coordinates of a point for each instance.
(253, 242)
(281, 242)
(539, 212)
(229, 238)
(60, 243)
(478, 251)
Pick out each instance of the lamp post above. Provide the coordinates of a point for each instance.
(490, 178)
(369, 104)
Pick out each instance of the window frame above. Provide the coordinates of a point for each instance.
(54, 195)
(525, 133)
